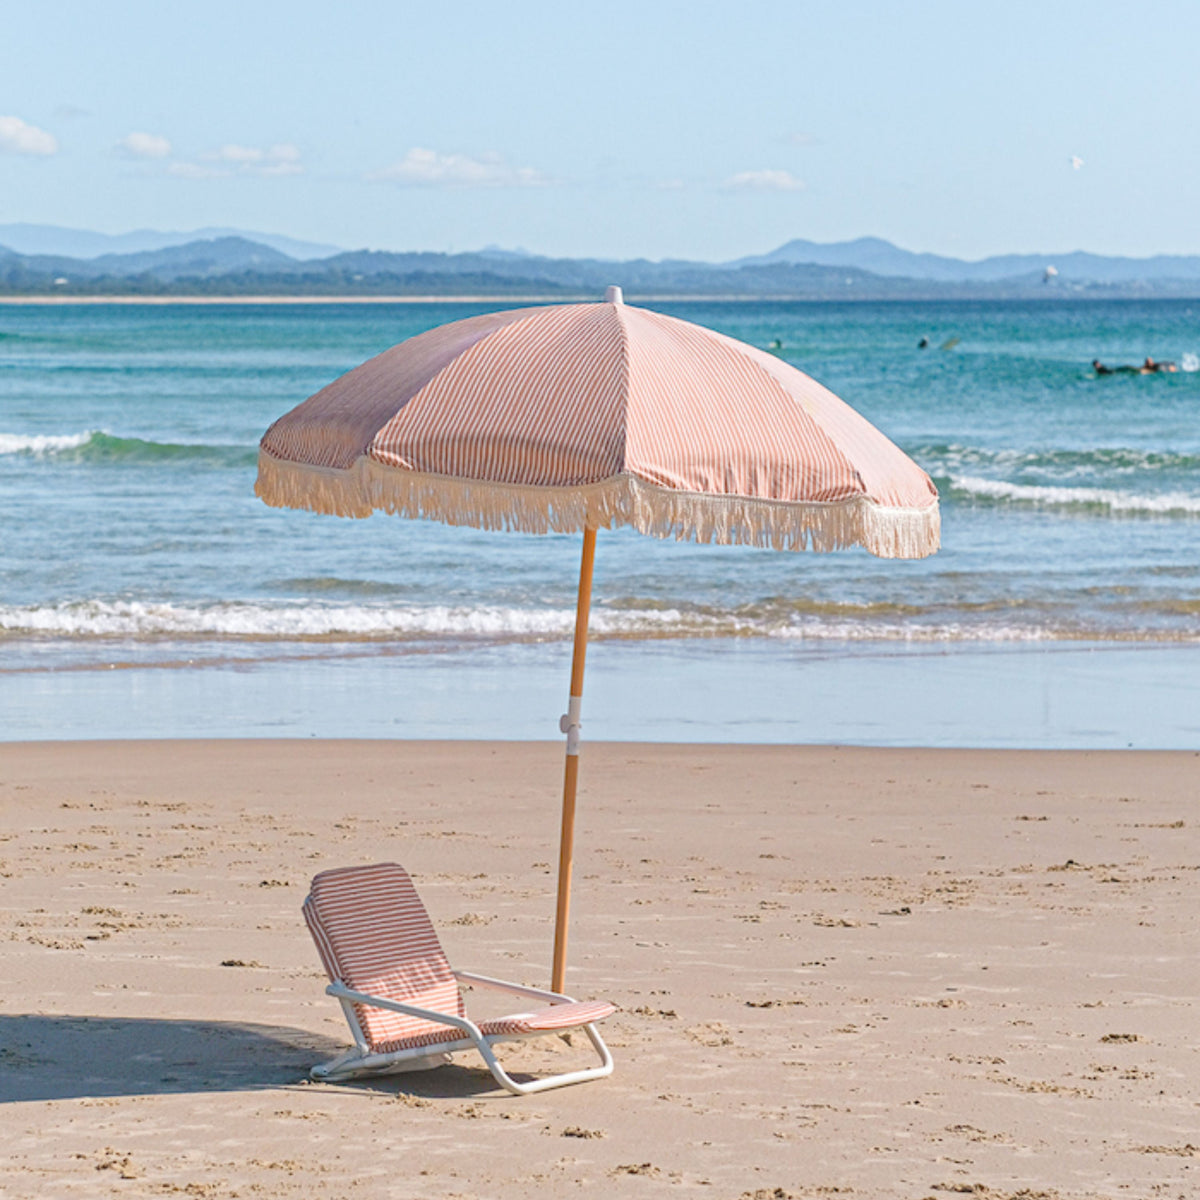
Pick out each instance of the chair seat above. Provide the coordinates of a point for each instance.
(542, 1020)
(546, 1020)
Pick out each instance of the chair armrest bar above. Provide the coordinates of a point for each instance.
(342, 992)
(517, 989)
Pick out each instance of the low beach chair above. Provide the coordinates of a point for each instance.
(403, 1001)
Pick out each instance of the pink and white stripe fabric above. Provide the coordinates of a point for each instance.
(597, 415)
(374, 935)
(548, 1020)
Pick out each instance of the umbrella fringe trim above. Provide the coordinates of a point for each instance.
(369, 486)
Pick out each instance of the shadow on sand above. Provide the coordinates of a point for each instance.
(71, 1057)
(61, 1057)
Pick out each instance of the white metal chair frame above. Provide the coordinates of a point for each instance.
(361, 1060)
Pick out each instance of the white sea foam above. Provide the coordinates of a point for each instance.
(99, 618)
(1166, 504)
(42, 444)
(880, 631)
(134, 620)
(1190, 362)
(956, 457)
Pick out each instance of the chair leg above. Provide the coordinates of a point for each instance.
(506, 1081)
(353, 1064)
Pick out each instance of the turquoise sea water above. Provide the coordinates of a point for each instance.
(144, 591)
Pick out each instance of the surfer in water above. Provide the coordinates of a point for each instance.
(1149, 367)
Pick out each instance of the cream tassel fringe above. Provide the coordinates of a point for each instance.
(623, 500)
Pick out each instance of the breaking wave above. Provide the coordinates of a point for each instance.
(946, 457)
(626, 621)
(96, 446)
(42, 445)
(1087, 501)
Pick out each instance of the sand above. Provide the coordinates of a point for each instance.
(842, 973)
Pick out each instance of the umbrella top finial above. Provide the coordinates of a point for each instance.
(612, 295)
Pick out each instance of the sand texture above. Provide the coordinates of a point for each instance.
(842, 973)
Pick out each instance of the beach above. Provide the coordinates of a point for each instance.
(844, 967)
(859, 972)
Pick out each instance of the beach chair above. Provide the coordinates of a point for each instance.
(403, 1001)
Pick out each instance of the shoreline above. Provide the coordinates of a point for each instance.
(884, 973)
(1034, 695)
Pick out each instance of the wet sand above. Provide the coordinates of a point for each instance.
(842, 972)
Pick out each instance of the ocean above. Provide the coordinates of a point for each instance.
(146, 592)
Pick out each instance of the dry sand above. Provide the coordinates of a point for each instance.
(842, 973)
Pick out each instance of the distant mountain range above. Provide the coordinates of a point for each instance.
(85, 243)
(882, 258)
(34, 261)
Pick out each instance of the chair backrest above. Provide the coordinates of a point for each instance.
(374, 935)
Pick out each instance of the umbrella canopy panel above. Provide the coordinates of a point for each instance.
(594, 415)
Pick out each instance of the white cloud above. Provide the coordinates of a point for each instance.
(235, 159)
(191, 170)
(241, 155)
(1076, 162)
(283, 159)
(428, 168)
(19, 137)
(143, 145)
(803, 139)
(764, 181)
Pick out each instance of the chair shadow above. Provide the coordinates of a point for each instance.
(466, 1077)
(73, 1057)
(456, 1080)
(70, 1057)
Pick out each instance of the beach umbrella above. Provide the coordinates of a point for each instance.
(579, 417)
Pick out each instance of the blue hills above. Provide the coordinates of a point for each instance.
(47, 260)
(883, 258)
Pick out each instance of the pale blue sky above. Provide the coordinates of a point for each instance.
(655, 129)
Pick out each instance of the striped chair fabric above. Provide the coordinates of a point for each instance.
(374, 935)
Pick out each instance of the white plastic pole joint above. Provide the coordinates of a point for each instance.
(612, 295)
(569, 724)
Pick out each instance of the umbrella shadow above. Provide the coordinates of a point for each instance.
(70, 1057)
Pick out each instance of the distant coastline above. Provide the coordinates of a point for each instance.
(59, 300)
(438, 298)
(185, 298)
(239, 269)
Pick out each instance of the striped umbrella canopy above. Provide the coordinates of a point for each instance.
(590, 416)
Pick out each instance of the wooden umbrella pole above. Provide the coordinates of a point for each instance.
(570, 726)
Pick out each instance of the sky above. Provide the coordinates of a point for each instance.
(653, 129)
